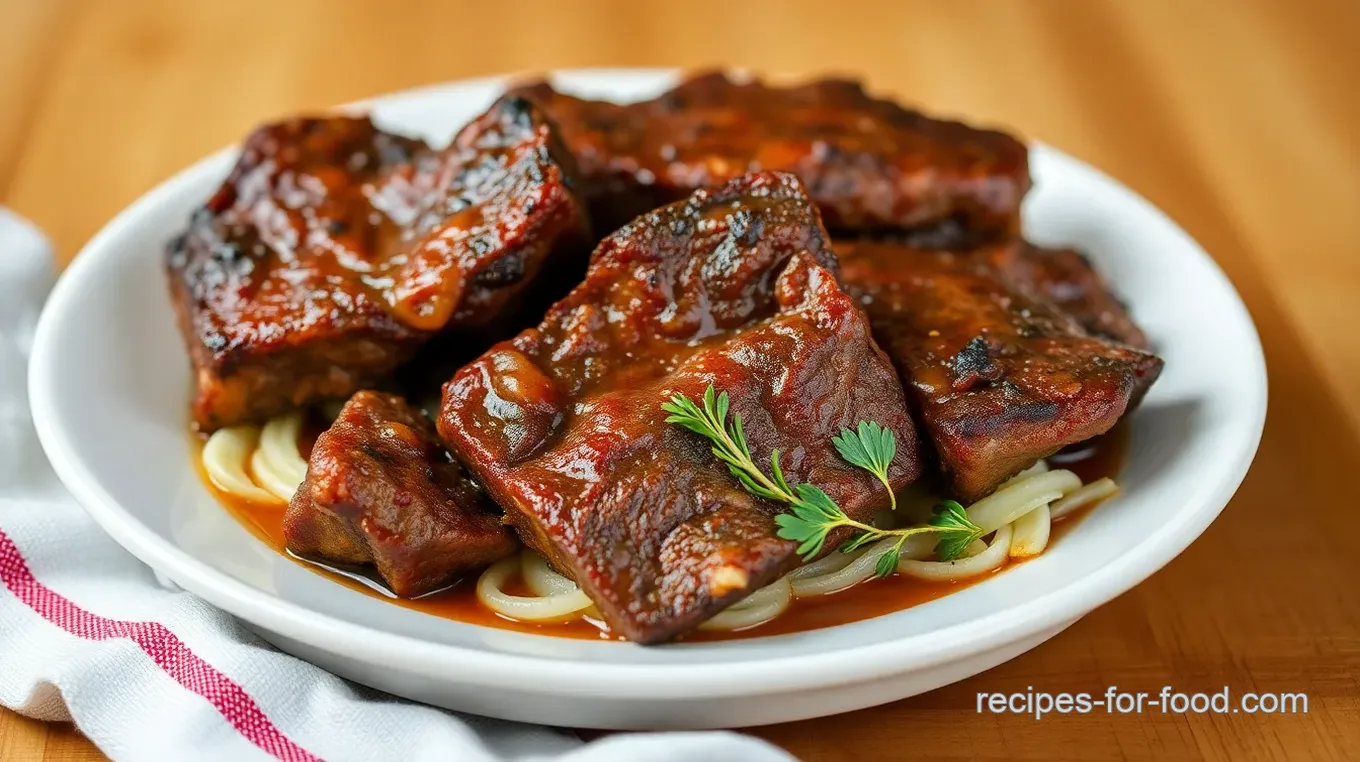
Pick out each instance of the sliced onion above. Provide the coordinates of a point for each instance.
(829, 574)
(541, 579)
(831, 562)
(1098, 490)
(761, 606)
(224, 458)
(1011, 502)
(975, 547)
(1030, 533)
(861, 565)
(1040, 467)
(950, 571)
(560, 607)
(277, 464)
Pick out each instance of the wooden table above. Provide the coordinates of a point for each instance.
(1241, 120)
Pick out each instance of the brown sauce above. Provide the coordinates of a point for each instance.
(1099, 457)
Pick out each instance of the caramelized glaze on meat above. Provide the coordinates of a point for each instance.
(482, 218)
(1066, 278)
(382, 492)
(334, 250)
(269, 311)
(563, 425)
(1000, 378)
(868, 163)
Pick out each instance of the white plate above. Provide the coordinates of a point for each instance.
(109, 386)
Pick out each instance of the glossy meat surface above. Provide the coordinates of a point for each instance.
(381, 491)
(868, 163)
(270, 311)
(564, 427)
(1067, 278)
(334, 250)
(480, 220)
(999, 377)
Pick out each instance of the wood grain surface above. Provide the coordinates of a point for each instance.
(1240, 119)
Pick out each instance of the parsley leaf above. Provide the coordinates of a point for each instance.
(961, 531)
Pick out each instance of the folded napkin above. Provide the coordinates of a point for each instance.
(147, 673)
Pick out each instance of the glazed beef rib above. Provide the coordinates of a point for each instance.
(334, 250)
(868, 163)
(1065, 277)
(563, 425)
(999, 377)
(382, 492)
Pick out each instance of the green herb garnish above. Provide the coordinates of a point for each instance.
(950, 514)
(872, 448)
(812, 513)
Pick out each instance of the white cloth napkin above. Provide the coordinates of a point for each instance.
(87, 634)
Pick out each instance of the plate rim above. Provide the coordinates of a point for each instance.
(564, 677)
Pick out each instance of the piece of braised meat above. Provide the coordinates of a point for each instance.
(334, 250)
(1000, 377)
(1066, 278)
(382, 492)
(563, 424)
(267, 281)
(867, 162)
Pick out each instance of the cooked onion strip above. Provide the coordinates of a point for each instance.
(757, 608)
(558, 607)
(541, 579)
(1098, 490)
(1016, 499)
(264, 465)
(861, 565)
(831, 562)
(1030, 533)
(277, 464)
(822, 577)
(975, 547)
(1038, 468)
(950, 571)
(224, 458)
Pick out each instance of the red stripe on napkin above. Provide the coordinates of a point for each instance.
(163, 646)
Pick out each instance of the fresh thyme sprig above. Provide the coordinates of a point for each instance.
(813, 515)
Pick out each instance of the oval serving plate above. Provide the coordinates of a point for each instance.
(109, 383)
